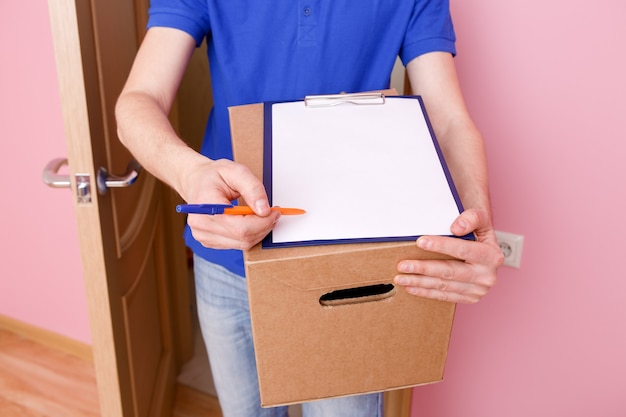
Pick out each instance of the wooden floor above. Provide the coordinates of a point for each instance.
(39, 381)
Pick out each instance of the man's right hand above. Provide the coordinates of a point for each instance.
(220, 182)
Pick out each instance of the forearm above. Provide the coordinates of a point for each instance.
(144, 128)
(143, 106)
(463, 149)
(433, 76)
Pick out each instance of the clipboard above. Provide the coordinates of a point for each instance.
(366, 168)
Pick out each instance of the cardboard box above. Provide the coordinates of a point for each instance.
(312, 342)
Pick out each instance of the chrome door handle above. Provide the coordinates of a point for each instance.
(51, 175)
(104, 180)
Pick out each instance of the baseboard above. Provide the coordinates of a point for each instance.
(47, 338)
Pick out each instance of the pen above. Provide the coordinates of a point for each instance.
(213, 209)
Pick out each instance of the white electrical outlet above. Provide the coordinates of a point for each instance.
(511, 246)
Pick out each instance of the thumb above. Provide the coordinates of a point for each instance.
(469, 221)
(251, 189)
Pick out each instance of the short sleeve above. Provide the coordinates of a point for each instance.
(190, 16)
(430, 29)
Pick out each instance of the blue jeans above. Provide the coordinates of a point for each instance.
(222, 302)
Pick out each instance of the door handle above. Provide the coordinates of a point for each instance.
(104, 180)
(51, 175)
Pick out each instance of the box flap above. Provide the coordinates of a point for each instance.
(352, 265)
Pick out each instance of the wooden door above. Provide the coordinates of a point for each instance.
(133, 258)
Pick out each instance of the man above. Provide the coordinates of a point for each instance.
(281, 50)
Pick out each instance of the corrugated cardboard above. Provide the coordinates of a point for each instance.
(307, 349)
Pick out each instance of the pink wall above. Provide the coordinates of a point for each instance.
(546, 83)
(40, 273)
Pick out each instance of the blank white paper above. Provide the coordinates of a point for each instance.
(359, 171)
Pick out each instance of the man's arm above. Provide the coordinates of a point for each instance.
(433, 76)
(144, 128)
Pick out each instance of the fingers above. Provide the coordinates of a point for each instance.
(442, 294)
(441, 280)
(483, 251)
(468, 221)
(465, 279)
(231, 232)
(240, 179)
(473, 252)
(450, 280)
(221, 182)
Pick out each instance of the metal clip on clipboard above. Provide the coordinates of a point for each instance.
(337, 99)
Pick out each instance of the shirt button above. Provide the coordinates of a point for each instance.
(307, 11)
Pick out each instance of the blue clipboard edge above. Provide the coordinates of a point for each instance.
(267, 181)
(274, 245)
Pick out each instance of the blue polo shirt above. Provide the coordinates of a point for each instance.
(267, 50)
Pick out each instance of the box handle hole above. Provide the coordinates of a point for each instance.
(358, 295)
